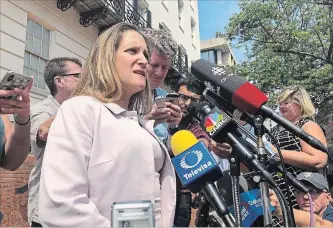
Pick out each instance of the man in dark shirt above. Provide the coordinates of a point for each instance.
(190, 91)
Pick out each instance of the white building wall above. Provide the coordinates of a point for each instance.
(166, 11)
(68, 37)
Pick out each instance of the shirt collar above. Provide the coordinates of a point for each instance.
(116, 109)
(53, 101)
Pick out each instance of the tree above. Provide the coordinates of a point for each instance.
(288, 42)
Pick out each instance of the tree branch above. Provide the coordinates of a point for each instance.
(304, 54)
(325, 3)
(321, 43)
(270, 35)
(330, 49)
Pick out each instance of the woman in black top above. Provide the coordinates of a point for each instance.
(296, 106)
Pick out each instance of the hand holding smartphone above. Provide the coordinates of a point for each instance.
(13, 80)
(14, 96)
(172, 98)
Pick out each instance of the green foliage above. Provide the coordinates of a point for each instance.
(288, 42)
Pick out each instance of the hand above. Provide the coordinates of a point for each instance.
(176, 114)
(222, 150)
(44, 128)
(160, 115)
(20, 106)
(275, 203)
(273, 147)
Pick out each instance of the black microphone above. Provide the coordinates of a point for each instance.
(220, 126)
(246, 97)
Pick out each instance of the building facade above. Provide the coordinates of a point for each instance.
(217, 51)
(33, 32)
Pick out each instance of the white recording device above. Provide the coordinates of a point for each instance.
(133, 214)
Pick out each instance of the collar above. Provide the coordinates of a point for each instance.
(116, 109)
(53, 101)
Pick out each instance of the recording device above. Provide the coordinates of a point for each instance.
(13, 80)
(133, 214)
(172, 98)
(215, 122)
(246, 97)
(197, 169)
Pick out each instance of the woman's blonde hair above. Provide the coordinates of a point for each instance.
(99, 77)
(300, 96)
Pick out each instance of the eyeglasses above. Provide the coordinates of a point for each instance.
(76, 75)
(312, 191)
(286, 104)
(184, 97)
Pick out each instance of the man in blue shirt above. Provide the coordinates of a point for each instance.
(164, 48)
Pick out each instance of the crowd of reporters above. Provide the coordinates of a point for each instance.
(100, 137)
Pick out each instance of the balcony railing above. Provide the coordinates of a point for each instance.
(105, 13)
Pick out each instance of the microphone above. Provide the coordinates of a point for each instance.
(197, 169)
(246, 97)
(220, 127)
(251, 207)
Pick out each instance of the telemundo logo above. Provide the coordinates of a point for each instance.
(191, 159)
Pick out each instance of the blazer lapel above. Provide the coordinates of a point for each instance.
(167, 180)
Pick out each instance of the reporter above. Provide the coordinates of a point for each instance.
(14, 141)
(99, 149)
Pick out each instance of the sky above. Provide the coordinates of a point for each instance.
(214, 16)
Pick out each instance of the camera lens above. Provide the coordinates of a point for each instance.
(10, 77)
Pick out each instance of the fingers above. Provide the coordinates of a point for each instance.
(176, 114)
(224, 146)
(7, 93)
(174, 107)
(18, 111)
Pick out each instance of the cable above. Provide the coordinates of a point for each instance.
(236, 199)
(311, 210)
(287, 181)
(284, 209)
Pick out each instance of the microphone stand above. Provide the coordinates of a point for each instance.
(262, 157)
(235, 173)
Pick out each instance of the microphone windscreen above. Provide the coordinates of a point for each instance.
(181, 141)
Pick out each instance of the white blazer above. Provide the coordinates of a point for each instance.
(93, 158)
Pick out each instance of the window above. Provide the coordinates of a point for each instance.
(162, 26)
(192, 4)
(209, 55)
(182, 53)
(36, 52)
(193, 32)
(143, 8)
(180, 12)
(183, 58)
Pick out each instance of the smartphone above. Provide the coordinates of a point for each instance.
(13, 80)
(159, 101)
(172, 98)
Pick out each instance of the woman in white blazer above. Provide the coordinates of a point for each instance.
(99, 149)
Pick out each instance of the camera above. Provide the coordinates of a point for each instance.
(10, 78)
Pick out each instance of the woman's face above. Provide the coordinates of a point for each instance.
(131, 62)
(290, 110)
